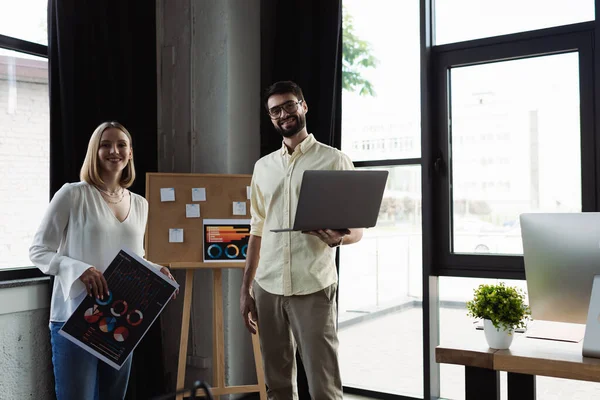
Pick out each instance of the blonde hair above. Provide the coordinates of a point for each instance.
(90, 171)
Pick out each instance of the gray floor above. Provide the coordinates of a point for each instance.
(384, 354)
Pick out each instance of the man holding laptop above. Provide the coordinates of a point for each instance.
(290, 277)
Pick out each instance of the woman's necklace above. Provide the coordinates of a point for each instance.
(115, 202)
(108, 195)
(111, 194)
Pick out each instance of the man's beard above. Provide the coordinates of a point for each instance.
(300, 124)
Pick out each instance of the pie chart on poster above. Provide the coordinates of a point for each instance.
(119, 308)
(135, 317)
(106, 301)
(121, 334)
(107, 324)
(92, 315)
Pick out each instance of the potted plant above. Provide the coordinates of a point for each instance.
(502, 309)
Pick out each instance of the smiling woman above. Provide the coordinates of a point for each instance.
(110, 168)
(85, 225)
(109, 159)
(115, 151)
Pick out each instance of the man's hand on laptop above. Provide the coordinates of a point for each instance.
(331, 237)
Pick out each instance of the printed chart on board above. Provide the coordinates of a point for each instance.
(226, 239)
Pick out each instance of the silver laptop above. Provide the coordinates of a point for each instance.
(338, 200)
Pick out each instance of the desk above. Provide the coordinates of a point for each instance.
(525, 359)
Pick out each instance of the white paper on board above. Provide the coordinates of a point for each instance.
(192, 210)
(239, 208)
(198, 194)
(176, 235)
(167, 194)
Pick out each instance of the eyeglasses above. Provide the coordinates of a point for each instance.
(289, 107)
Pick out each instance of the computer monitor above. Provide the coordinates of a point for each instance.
(562, 256)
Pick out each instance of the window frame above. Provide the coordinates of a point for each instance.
(35, 49)
(23, 46)
(564, 39)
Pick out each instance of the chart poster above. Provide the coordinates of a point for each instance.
(111, 328)
(226, 240)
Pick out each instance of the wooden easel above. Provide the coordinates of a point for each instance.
(220, 191)
(219, 387)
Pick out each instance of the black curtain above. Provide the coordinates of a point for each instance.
(102, 66)
(302, 41)
(102, 62)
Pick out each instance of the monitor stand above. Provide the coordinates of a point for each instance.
(591, 341)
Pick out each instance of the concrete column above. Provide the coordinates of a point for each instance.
(209, 101)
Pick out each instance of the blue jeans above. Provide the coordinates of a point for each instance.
(78, 375)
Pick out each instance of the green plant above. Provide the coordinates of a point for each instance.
(503, 305)
(356, 57)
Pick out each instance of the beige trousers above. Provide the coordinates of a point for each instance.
(307, 322)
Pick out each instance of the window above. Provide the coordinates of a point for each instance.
(380, 284)
(24, 133)
(516, 136)
(381, 101)
(25, 19)
(509, 126)
(513, 131)
(459, 20)
(526, 156)
(24, 153)
(380, 297)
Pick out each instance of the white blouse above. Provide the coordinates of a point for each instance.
(78, 231)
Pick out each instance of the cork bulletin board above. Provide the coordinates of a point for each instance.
(171, 220)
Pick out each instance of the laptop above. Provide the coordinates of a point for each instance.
(338, 200)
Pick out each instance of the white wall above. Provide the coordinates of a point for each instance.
(25, 356)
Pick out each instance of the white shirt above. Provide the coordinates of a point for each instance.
(291, 263)
(78, 231)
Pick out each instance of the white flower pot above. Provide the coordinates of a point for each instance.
(499, 339)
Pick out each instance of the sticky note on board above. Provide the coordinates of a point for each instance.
(176, 235)
(239, 208)
(192, 210)
(198, 194)
(167, 194)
